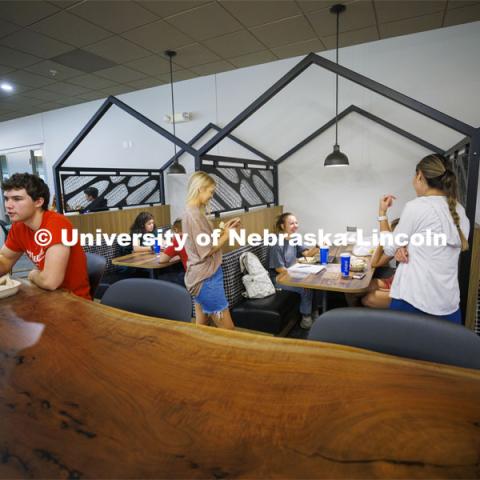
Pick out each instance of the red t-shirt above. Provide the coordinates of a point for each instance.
(21, 239)
(171, 252)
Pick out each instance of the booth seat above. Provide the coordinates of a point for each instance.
(275, 314)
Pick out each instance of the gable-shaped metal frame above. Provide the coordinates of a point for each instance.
(469, 131)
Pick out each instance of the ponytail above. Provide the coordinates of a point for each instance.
(438, 174)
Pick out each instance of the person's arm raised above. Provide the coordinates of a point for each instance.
(56, 261)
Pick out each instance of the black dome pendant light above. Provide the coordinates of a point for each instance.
(175, 168)
(336, 158)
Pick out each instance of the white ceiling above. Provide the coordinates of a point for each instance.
(60, 53)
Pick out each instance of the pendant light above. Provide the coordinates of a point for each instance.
(175, 168)
(336, 158)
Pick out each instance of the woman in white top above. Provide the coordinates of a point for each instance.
(426, 280)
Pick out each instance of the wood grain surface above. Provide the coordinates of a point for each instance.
(143, 260)
(87, 391)
(331, 279)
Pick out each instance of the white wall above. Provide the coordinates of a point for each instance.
(436, 67)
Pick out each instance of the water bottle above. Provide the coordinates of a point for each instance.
(156, 247)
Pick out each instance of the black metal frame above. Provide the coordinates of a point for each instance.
(469, 131)
(102, 110)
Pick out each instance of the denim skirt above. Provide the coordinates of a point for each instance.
(211, 296)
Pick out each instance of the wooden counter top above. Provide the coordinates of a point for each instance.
(87, 391)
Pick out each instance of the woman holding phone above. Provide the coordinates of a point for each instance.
(204, 276)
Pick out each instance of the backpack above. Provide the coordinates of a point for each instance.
(256, 279)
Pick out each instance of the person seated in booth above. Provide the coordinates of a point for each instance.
(143, 223)
(282, 257)
(37, 232)
(96, 203)
(172, 251)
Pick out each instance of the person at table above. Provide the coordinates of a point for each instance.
(37, 232)
(96, 203)
(143, 223)
(378, 295)
(204, 276)
(282, 257)
(426, 279)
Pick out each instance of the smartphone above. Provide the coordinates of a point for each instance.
(358, 276)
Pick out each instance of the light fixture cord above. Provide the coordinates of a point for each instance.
(173, 108)
(336, 80)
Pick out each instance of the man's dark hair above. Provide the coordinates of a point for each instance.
(91, 192)
(35, 187)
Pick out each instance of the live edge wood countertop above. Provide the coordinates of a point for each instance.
(87, 391)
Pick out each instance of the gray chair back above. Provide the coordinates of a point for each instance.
(155, 298)
(411, 335)
(95, 267)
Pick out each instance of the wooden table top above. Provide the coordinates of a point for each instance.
(88, 391)
(331, 279)
(143, 260)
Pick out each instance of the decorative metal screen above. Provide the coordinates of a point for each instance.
(117, 190)
(239, 188)
(458, 157)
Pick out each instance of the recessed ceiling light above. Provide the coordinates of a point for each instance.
(6, 87)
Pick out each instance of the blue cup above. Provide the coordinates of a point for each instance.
(345, 264)
(324, 255)
(156, 247)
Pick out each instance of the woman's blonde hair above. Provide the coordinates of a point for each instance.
(196, 182)
(438, 174)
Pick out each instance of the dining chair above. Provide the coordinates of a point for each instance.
(95, 268)
(410, 335)
(146, 296)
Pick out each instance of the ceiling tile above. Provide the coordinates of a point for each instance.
(41, 94)
(358, 15)
(399, 9)
(6, 28)
(82, 60)
(280, 33)
(65, 3)
(204, 22)
(258, 12)
(15, 101)
(118, 50)
(166, 8)
(179, 76)
(194, 54)
(28, 79)
(211, 68)
(234, 44)
(70, 29)
(117, 90)
(67, 101)
(153, 65)
(14, 58)
(25, 13)
(118, 18)
(355, 37)
(4, 70)
(90, 96)
(158, 37)
(411, 25)
(146, 83)
(314, 5)
(17, 88)
(253, 59)
(121, 74)
(300, 48)
(462, 15)
(461, 3)
(35, 44)
(63, 88)
(92, 81)
(61, 71)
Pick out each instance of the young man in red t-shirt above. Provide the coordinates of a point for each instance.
(38, 233)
